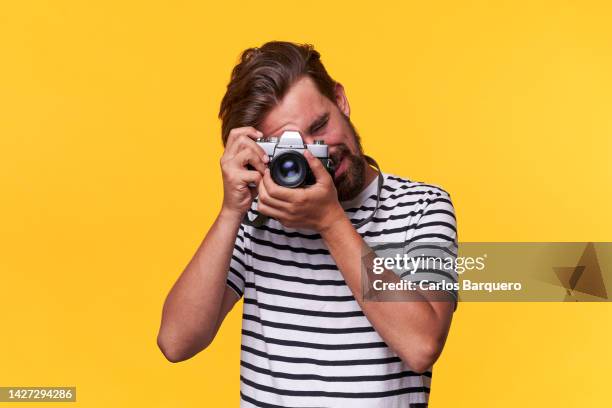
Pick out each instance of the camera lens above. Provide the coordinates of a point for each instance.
(289, 169)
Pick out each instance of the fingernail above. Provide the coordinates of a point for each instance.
(265, 158)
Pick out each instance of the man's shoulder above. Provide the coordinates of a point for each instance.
(428, 207)
(395, 187)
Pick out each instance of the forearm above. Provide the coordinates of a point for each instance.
(193, 308)
(413, 329)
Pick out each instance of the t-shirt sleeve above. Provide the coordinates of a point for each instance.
(434, 241)
(238, 264)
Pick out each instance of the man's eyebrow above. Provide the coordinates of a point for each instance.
(318, 122)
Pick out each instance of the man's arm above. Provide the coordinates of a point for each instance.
(200, 299)
(416, 330)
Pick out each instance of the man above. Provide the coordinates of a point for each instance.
(309, 338)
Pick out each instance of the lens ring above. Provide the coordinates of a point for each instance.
(289, 169)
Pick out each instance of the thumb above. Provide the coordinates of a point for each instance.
(316, 166)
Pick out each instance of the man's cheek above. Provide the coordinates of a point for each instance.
(334, 137)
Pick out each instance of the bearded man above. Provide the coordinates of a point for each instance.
(310, 337)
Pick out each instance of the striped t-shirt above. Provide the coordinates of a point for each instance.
(305, 340)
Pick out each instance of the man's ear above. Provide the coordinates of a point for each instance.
(341, 100)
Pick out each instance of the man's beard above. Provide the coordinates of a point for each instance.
(350, 183)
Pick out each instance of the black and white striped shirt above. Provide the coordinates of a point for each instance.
(305, 340)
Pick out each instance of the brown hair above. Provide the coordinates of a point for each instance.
(263, 76)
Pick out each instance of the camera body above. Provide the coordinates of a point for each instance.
(288, 166)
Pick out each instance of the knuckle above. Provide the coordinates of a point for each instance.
(238, 154)
(233, 133)
(243, 142)
(263, 198)
(273, 187)
(238, 141)
(225, 166)
(251, 151)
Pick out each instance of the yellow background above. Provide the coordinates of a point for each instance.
(109, 148)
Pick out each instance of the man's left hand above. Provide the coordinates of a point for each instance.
(314, 207)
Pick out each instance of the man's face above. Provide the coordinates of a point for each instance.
(306, 110)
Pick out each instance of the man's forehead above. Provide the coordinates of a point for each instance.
(302, 105)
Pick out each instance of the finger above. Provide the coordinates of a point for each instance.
(248, 178)
(240, 137)
(243, 179)
(242, 142)
(246, 130)
(270, 211)
(245, 143)
(270, 201)
(276, 191)
(250, 156)
(316, 166)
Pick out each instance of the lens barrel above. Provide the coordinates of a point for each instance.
(289, 169)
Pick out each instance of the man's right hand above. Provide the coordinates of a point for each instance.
(241, 150)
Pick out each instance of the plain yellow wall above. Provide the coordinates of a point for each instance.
(109, 148)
